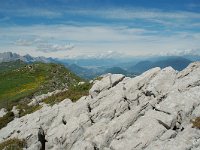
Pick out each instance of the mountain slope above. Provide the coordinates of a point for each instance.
(32, 79)
(178, 63)
(116, 70)
(141, 66)
(86, 72)
(81, 71)
(152, 111)
(8, 66)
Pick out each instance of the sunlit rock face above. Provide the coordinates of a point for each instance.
(152, 111)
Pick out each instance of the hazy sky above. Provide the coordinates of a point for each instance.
(99, 28)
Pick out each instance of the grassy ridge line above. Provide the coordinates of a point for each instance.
(34, 79)
(8, 66)
(19, 85)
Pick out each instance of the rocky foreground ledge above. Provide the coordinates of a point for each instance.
(152, 111)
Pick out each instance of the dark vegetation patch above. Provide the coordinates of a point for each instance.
(196, 123)
(13, 144)
(24, 109)
(74, 93)
(98, 78)
(6, 119)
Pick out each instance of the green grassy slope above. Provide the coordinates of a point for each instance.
(27, 80)
(7, 66)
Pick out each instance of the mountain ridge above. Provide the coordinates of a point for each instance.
(92, 68)
(9, 56)
(152, 111)
(178, 63)
(19, 80)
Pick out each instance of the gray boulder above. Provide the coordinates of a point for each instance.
(3, 112)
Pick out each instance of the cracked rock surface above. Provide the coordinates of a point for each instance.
(152, 111)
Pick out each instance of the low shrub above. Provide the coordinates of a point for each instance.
(196, 123)
(13, 144)
(74, 93)
(24, 109)
(6, 119)
(98, 78)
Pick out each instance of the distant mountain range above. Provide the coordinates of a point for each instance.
(178, 63)
(83, 72)
(93, 67)
(9, 56)
(90, 73)
(116, 70)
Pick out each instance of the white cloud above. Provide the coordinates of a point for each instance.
(135, 13)
(98, 55)
(88, 34)
(95, 40)
(23, 42)
(193, 5)
(194, 52)
(43, 46)
(110, 13)
(166, 18)
(40, 13)
(32, 12)
(54, 47)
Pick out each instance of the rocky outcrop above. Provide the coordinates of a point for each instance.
(15, 111)
(152, 111)
(107, 82)
(38, 99)
(3, 112)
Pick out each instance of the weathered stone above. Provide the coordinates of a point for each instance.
(107, 82)
(152, 111)
(3, 112)
(15, 111)
(38, 99)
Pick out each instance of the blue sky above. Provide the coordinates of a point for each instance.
(99, 28)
